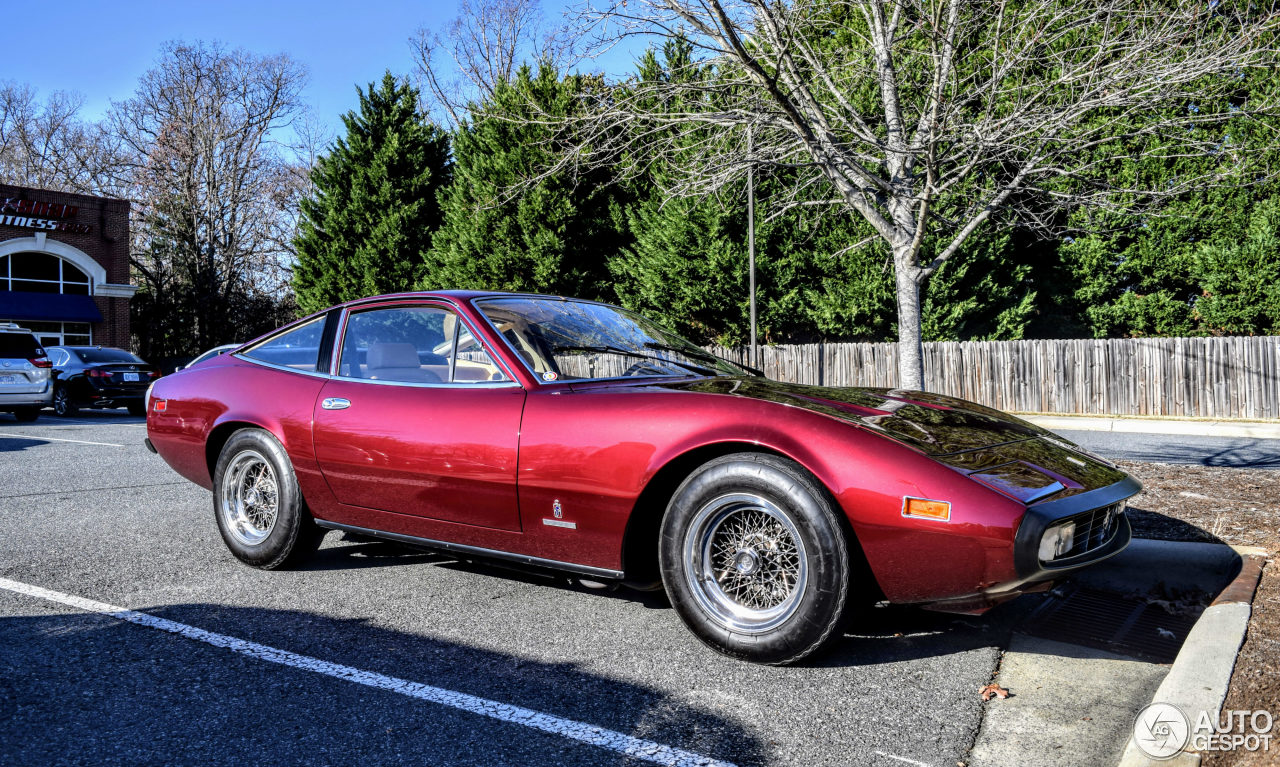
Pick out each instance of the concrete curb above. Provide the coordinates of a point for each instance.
(1201, 673)
(1247, 429)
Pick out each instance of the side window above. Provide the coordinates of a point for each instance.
(474, 363)
(298, 348)
(413, 344)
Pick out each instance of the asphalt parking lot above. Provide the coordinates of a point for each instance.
(406, 656)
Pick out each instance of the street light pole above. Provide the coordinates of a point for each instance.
(751, 243)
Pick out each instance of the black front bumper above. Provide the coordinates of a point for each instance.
(1040, 517)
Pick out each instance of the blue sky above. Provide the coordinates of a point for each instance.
(100, 49)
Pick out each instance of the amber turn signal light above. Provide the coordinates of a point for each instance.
(926, 509)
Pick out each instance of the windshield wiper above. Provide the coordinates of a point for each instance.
(701, 354)
(603, 349)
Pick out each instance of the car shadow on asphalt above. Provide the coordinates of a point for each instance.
(896, 633)
(358, 551)
(84, 687)
(1153, 524)
(18, 444)
(872, 635)
(364, 553)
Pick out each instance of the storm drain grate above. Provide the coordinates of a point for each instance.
(1111, 622)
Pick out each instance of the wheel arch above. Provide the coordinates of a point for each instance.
(219, 435)
(640, 539)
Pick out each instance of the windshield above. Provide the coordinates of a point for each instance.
(92, 356)
(561, 339)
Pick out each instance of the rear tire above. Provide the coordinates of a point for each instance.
(26, 414)
(63, 405)
(258, 505)
(754, 558)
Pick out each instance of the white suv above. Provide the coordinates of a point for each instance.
(26, 374)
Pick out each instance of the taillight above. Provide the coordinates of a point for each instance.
(96, 373)
(153, 374)
(40, 362)
(160, 405)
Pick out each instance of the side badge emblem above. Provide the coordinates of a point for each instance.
(559, 521)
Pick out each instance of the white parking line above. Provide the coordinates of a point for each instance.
(61, 421)
(622, 743)
(904, 759)
(57, 439)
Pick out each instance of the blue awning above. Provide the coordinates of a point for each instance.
(54, 307)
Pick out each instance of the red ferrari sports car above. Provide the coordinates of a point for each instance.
(570, 434)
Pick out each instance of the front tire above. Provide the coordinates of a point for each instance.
(754, 559)
(258, 505)
(63, 405)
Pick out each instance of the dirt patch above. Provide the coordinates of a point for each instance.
(1239, 507)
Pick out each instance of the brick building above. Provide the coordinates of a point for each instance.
(64, 266)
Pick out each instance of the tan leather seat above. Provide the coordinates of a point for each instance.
(397, 362)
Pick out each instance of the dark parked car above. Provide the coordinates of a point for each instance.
(99, 377)
(576, 435)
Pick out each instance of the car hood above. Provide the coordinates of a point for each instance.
(1017, 458)
(932, 423)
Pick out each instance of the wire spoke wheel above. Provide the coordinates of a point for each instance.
(250, 498)
(745, 563)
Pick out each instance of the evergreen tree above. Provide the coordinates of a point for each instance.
(1241, 278)
(555, 237)
(1135, 273)
(375, 207)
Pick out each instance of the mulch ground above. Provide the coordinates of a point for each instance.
(1240, 507)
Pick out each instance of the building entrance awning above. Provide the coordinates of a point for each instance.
(51, 307)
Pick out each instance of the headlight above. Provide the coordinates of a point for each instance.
(1057, 541)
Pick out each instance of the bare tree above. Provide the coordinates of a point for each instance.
(486, 43)
(925, 117)
(47, 145)
(202, 155)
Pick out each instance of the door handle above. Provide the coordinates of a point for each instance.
(335, 403)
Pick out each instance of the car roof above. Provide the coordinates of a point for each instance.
(463, 296)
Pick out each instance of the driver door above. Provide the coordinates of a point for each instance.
(419, 419)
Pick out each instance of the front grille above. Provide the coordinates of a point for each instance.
(1093, 528)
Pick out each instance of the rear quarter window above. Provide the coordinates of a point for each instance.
(19, 346)
(297, 348)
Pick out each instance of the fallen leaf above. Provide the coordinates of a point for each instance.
(993, 690)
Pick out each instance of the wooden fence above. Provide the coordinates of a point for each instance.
(1236, 377)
